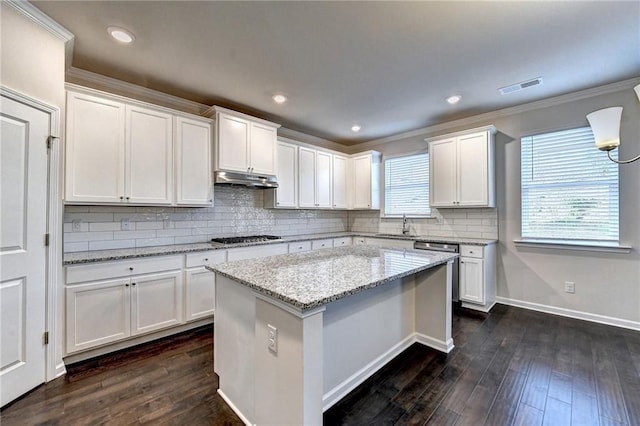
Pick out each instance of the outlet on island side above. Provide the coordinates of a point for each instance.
(272, 338)
(569, 287)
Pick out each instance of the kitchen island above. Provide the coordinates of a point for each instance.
(295, 333)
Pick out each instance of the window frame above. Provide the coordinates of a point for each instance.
(566, 242)
(383, 201)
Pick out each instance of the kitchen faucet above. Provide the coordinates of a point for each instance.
(405, 225)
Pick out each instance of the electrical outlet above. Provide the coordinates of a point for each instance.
(76, 225)
(569, 287)
(125, 224)
(272, 338)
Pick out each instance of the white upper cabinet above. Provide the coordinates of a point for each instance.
(121, 151)
(148, 156)
(245, 144)
(340, 182)
(365, 193)
(94, 149)
(193, 162)
(461, 169)
(286, 195)
(314, 178)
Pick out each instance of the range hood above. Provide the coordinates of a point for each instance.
(245, 179)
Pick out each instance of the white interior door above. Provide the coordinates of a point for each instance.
(23, 224)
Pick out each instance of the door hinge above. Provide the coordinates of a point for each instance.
(50, 140)
(46, 239)
(45, 338)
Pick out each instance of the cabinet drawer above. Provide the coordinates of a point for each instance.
(321, 244)
(122, 268)
(344, 241)
(359, 241)
(255, 252)
(203, 258)
(472, 251)
(299, 247)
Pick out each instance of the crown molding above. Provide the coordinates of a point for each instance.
(296, 136)
(493, 115)
(108, 84)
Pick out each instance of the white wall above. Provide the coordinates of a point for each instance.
(32, 62)
(606, 284)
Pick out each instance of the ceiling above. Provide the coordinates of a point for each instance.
(387, 66)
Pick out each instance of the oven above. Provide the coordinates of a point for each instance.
(449, 248)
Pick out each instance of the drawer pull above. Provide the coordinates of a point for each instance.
(206, 259)
(131, 268)
(126, 285)
(133, 283)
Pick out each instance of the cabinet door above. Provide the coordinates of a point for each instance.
(323, 179)
(97, 313)
(473, 170)
(306, 177)
(287, 192)
(193, 163)
(362, 182)
(200, 290)
(94, 150)
(149, 156)
(232, 142)
(262, 150)
(471, 280)
(339, 182)
(442, 173)
(156, 301)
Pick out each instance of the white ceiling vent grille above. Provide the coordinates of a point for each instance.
(519, 86)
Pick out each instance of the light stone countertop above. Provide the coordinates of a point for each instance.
(77, 258)
(312, 279)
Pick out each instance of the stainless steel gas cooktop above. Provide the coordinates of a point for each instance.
(245, 239)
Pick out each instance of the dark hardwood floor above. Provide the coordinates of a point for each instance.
(511, 367)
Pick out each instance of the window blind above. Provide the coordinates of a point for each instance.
(569, 188)
(406, 185)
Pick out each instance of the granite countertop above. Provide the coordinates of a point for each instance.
(312, 279)
(77, 258)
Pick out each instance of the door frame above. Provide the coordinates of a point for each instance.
(54, 366)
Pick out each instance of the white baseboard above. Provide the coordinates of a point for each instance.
(234, 408)
(356, 379)
(436, 344)
(342, 389)
(60, 370)
(586, 316)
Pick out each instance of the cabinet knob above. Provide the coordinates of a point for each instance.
(133, 283)
(206, 259)
(126, 285)
(122, 197)
(127, 198)
(131, 268)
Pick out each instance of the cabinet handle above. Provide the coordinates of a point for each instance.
(126, 285)
(131, 268)
(206, 259)
(121, 197)
(133, 283)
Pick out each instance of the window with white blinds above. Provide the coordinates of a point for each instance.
(569, 189)
(406, 185)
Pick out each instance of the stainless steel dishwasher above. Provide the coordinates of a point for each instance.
(449, 248)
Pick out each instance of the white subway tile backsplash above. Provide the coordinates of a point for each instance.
(239, 211)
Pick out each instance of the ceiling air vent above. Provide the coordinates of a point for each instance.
(519, 86)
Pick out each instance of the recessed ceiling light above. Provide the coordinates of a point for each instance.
(279, 98)
(454, 99)
(355, 128)
(121, 35)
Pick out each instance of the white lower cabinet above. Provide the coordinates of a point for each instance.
(321, 244)
(97, 313)
(200, 284)
(477, 287)
(299, 246)
(156, 302)
(121, 300)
